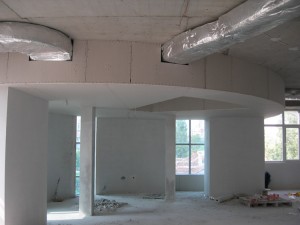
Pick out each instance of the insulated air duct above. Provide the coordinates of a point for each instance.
(250, 19)
(36, 41)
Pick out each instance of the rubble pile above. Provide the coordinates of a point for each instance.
(106, 205)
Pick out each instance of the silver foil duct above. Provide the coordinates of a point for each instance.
(36, 41)
(249, 19)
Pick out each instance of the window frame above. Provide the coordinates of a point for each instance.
(189, 144)
(284, 126)
(77, 142)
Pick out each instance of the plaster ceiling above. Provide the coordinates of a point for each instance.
(138, 20)
(157, 21)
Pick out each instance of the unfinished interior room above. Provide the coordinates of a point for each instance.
(149, 112)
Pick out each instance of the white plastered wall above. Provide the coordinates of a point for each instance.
(26, 159)
(284, 175)
(130, 156)
(235, 154)
(61, 156)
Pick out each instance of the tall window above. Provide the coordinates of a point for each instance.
(189, 147)
(77, 182)
(282, 137)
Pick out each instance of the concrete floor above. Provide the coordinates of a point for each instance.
(189, 208)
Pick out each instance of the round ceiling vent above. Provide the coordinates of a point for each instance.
(38, 42)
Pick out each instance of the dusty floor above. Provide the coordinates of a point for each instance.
(190, 208)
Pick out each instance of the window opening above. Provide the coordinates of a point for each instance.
(78, 130)
(190, 147)
(282, 137)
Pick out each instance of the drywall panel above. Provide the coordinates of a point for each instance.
(3, 67)
(218, 72)
(192, 75)
(108, 61)
(189, 182)
(130, 156)
(284, 175)
(3, 117)
(236, 156)
(145, 60)
(26, 159)
(38, 71)
(147, 69)
(61, 156)
(276, 87)
(249, 78)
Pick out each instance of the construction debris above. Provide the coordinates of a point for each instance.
(105, 205)
(296, 194)
(55, 197)
(265, 200)
(154, 196)
(226, 198)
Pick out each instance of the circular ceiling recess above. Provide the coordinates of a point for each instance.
(40, 43)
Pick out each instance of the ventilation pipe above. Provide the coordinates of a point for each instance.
(36, 41)
(249, 19)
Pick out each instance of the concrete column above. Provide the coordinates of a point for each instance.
(87, 161)
(170, 158)
(23, 141)
(207, 159)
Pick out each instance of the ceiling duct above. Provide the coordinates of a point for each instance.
(36, 41)
(249, 19)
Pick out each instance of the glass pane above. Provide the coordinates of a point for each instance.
(197, 159)
(197, 131)
(77, 159)
(77, 186)
(182, 159)
(78, 128)
(182, 131)
(274, 120)
(292, 143)
(273, 144)
(291, 117)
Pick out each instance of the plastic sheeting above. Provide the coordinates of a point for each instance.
(250, 19)
(36, 41)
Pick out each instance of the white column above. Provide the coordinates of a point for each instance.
(3, 117)
(25, 149)
(87, 161)
(170, 158)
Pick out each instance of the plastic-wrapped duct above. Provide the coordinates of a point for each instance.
(36, 41)
(250, 19)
